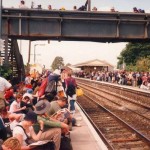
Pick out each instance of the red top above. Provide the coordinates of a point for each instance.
(8, 94)
(72, 80)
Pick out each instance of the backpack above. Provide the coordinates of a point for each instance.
(65, 143)
(51, 86)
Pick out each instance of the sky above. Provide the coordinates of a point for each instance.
(76, 52)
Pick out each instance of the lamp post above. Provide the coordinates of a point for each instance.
(35, 50)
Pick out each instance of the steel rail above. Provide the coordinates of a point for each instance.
(96, 128)
(123, 97)
(146, 139)
(119, 104)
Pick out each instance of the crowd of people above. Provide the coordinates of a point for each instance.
(40, 108)
(135, 79)
(81, 8)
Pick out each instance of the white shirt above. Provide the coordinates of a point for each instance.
(28, 80)
(14, 103)
(144, 87)
(19, 130)
(4, 84)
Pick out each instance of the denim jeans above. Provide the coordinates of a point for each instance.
(72, 107)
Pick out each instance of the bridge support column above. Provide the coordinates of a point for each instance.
(6, 61)
(0, 19)
(89, 5)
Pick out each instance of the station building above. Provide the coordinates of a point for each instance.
(95, 65)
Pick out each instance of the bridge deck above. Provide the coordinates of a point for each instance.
(85, 137)
(33, 24)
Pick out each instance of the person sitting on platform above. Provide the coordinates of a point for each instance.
(144, 86)
(24, 130)
(15, 107)
(41, 109)
(11, 143)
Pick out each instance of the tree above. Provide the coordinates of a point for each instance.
(134, 52)
(143, 64)
(57, 63)
(6, 72)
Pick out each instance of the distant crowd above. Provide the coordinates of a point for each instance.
(135, 79)
(81, 8)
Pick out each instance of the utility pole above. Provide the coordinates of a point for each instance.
(29, 53)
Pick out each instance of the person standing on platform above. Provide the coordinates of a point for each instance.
(71, 92)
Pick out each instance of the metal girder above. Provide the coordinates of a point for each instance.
(34, 24)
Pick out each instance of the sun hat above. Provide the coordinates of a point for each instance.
(31, 116)
(42, 107)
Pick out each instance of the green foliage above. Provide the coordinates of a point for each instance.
(131, 68)
(5, 72)
(57, 63)
(133, 52)
(143, 64)
(136, 56)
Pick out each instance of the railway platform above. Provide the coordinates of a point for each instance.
(84, 137)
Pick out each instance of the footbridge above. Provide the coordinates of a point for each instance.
(37, 24)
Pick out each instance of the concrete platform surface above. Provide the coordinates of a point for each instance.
(85, 136)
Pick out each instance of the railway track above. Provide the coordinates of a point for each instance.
(116, 133)
(134, 114)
